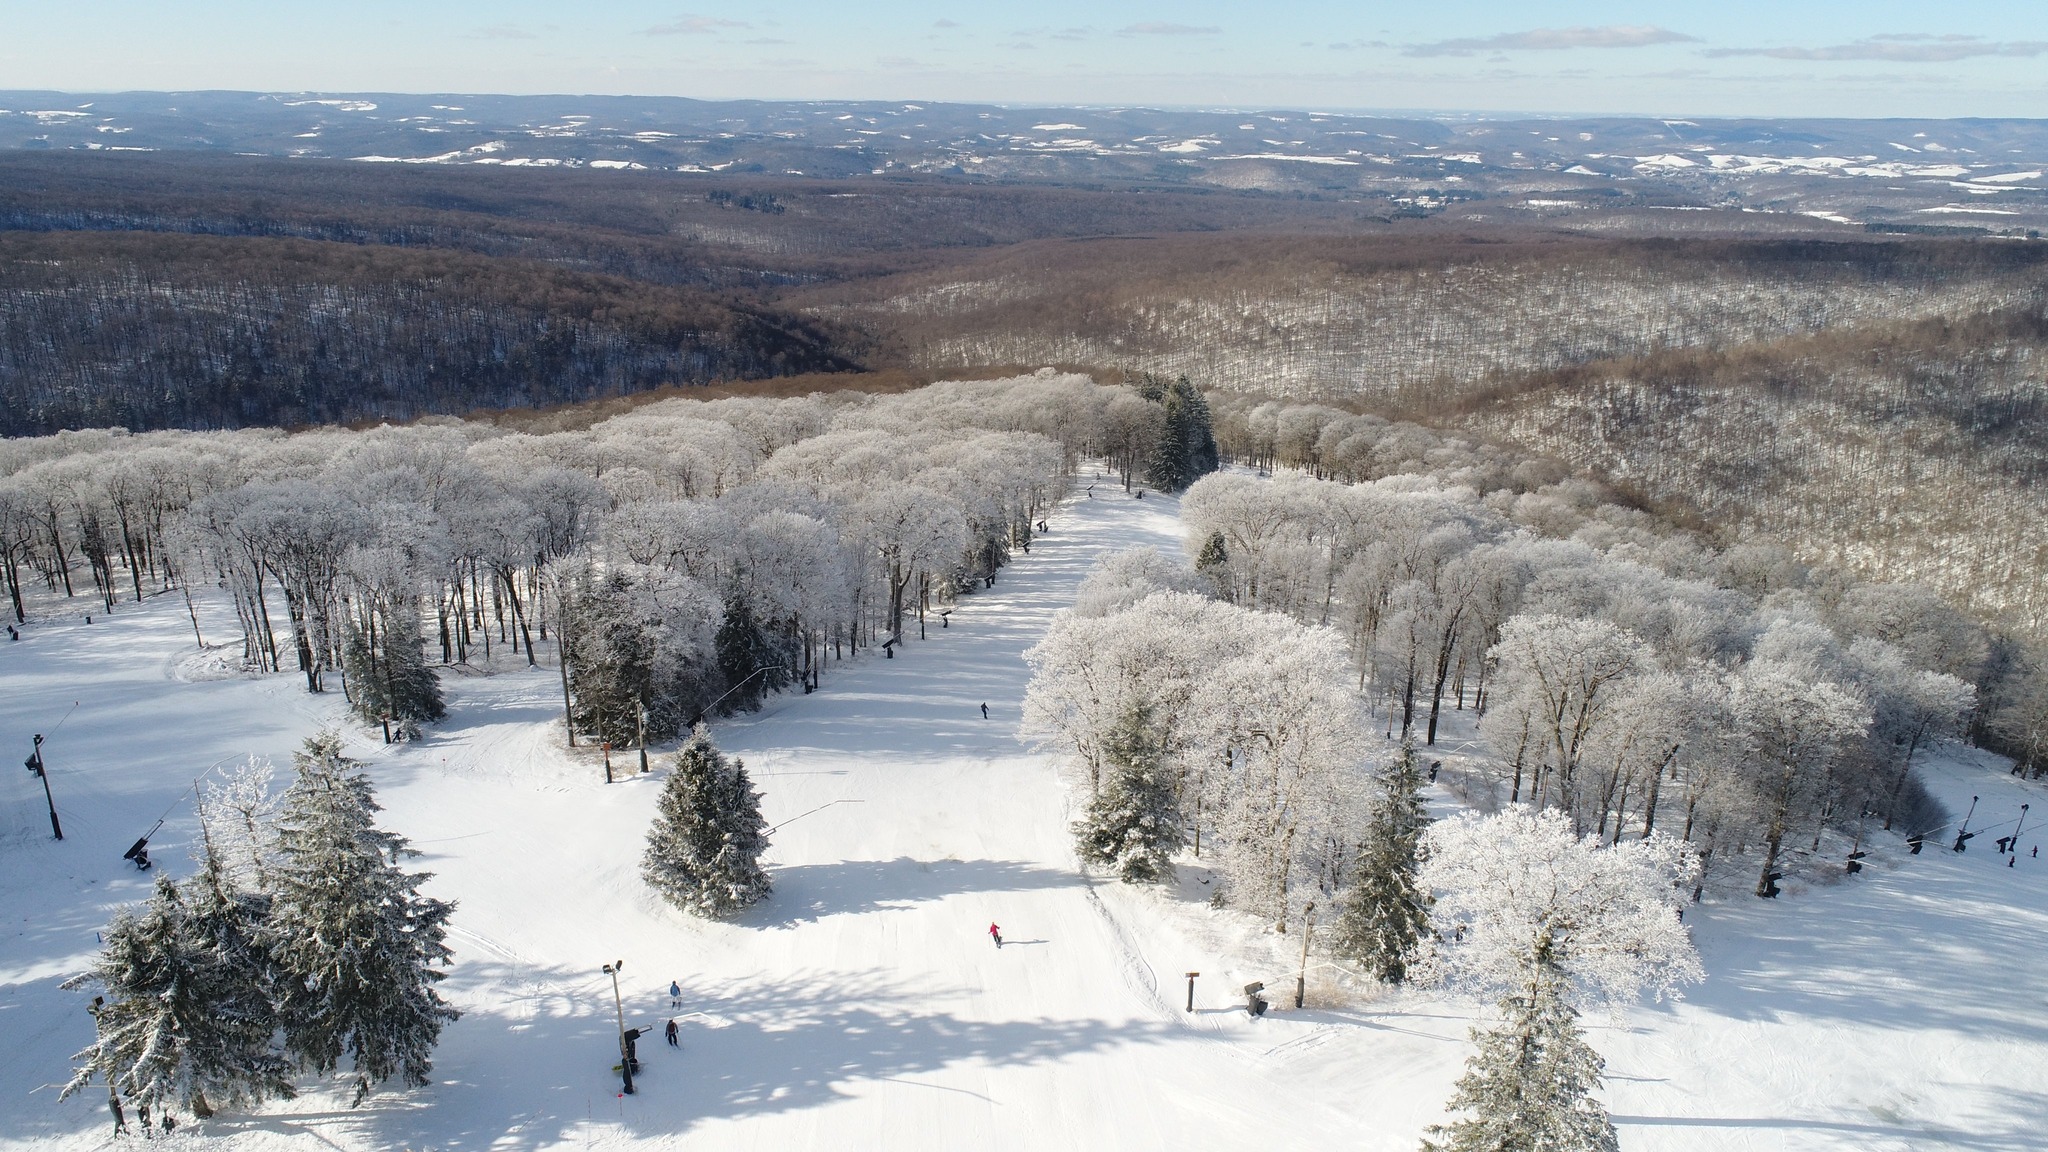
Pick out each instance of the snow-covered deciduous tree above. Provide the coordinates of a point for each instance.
(1121, 579)
(357, 947)
(1384, 910)
(704, 849)
(1793, 724)
(1557, 681)
(1546, 921)
(235, 813)
(1520, 888)
(1132, 825)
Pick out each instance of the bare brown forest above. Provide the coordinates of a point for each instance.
(1876, 401)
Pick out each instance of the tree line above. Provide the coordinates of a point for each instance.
(2007, 666)
(683, 556)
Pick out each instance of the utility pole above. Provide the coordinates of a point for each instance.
(625, 1057)
(2014, 859)
(1963, 833)
(1191, 990)
(34, 763)
(1308, 926)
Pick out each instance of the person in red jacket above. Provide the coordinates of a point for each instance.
(995, 933)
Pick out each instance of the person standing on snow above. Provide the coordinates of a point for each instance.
(984, 711)
(675, 994)
(995, 933)
(670, 1032)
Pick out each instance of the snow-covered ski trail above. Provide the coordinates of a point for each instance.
(865, 1007)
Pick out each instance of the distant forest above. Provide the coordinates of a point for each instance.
(175, 331)
(1875, 400)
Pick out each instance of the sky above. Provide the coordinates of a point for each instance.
(1729, 57)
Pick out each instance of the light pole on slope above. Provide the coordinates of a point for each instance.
(625, 1057)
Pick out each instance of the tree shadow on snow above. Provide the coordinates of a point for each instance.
(805, 892)
(510, 1077)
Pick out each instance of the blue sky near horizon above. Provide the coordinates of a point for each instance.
(1737, 57)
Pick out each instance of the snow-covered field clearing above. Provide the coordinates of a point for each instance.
(864, 1006)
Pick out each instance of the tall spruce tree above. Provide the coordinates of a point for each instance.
(389, 681)
(610, 659)
(1385, 912)
(186, 1023)
(1186, 450)
(1213, 562)
(1529, 1087)
(1132, 825)
(747, 655)
(705, 846)
(356, 945)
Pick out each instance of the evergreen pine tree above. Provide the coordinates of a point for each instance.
(1186, 451)
(611, 658)
(356, 945)
(186, 1023)
(1385, 911)
(389, 680)
(1213, 562)
(1132, 825)
(1529, 1087)
(744, 649)
(704, 849)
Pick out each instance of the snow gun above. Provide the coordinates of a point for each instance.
(139, 851)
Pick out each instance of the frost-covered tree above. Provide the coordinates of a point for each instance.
(357, 947)
(1793, 725)
(705, 846)
(1121, 579)
(1132, 825)
(1547, 920)
(186, 1023)
(1529, 1087)
(1519, 887)
(1384, 911)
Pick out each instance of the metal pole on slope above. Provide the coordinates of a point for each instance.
(34, 763)
(1308, 927)
(1963, 833)
(625, 1057)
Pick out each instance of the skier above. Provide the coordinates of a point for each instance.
(995, 933)
(670, 1032)
(984, 711)
(1434, 765)
(675, 994)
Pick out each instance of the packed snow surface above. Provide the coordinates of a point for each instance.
(864, 1005)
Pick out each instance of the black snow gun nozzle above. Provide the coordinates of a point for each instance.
(1254, 1003)
(139, 851)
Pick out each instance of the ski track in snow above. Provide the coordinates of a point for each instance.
(864, 1006)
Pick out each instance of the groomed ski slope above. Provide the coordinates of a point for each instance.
(865, 1007)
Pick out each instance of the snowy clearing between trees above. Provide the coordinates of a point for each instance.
(863, 1004)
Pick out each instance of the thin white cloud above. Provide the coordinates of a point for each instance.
(1162, 28)
(1900, 47)
(502, 32)
(693, 25)
(1555, 40)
